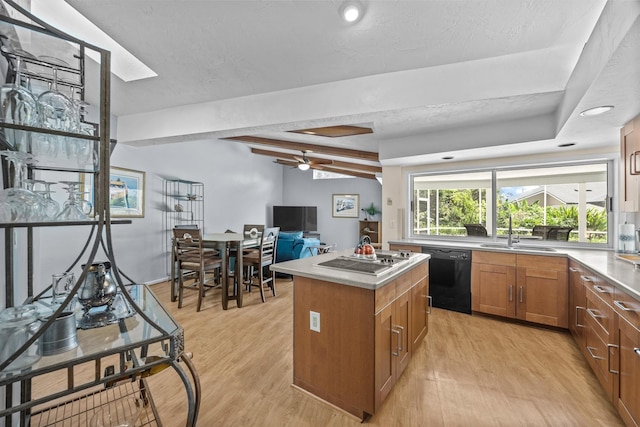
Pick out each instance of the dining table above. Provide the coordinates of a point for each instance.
(227, 244)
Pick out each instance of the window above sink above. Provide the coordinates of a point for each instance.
(564, 204)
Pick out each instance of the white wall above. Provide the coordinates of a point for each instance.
(239, 187)
(300, 189)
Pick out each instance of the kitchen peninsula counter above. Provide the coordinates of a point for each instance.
(308, 267)
(353, 333)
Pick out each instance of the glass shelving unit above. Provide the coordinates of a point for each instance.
(112, 361)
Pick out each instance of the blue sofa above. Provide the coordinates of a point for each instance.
(291, 245)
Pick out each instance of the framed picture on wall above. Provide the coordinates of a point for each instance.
(126, 192)
(345, 205)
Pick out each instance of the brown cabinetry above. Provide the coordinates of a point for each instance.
(420, 304)
(630, 166)
(577, 304)
(627, 390)
(527, 287)
(361, 331)
(373, 230)
(392, 351)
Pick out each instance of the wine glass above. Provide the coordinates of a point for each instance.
(51, 207)
(18, 203)
(18, 106)
(72, 210)
(56, 110)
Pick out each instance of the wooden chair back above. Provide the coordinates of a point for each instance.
(476, 230)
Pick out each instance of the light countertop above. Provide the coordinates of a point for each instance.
(621, 273)
(308, 267)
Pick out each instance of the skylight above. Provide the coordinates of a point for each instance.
(61, 15)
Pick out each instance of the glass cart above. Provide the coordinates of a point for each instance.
(43, 130)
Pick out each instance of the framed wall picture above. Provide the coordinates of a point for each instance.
(126, 192)
(345, 205)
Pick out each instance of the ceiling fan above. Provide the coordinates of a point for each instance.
(304, 163)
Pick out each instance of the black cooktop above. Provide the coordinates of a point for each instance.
(355, 265)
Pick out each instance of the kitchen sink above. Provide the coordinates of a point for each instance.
(518, 247)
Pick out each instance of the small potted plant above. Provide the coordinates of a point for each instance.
(371, 211)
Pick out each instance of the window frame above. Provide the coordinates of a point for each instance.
(610, 173)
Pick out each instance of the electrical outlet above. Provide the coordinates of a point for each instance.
(314, 321)
(392, 224)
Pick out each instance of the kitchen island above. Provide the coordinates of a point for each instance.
(353, 333)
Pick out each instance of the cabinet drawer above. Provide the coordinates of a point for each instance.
(548, 263)
(403, 283)
(495, 258)
(419, 272)
(385, 295)
(410, 248)
(627, 307)
(602, 314)
(601, 287)
(598, 356)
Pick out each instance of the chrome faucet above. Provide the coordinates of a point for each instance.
(510, 241)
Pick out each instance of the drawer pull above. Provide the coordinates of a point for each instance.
(590, 350)
(600, 289)
(637, 351)
(586, 279)
(573, 269)
(609, 346)
(578, 325)
(621, 306)
(430, 305)
(593, 314)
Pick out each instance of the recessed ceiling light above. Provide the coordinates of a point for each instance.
(447, 158)
(351, 11)
(596, 110)
(567, 144)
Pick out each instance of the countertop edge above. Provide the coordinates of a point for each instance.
(307, 267)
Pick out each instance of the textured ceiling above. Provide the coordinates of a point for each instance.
(413, 68)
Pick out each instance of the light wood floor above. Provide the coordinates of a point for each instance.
(470, 371)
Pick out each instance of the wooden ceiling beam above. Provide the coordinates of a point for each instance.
(319, 149)
(329, 169)
(334, 163)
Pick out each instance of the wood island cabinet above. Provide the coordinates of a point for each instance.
(365, 338)
(527, 287)
(630, 166)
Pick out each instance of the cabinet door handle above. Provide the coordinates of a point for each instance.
(429, 304)
(609, 346)
(600, 289)
(397, 352)
(636, 350)
(578, 325)
(510, 293)
(590, 350)
(586, 279)
(401, 338)
(632, 161)
(521, 294)
(621, 305)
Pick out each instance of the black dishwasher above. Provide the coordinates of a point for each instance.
(450, 278)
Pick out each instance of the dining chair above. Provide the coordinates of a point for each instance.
(192, 257)
(476, 230)
(559, 233)
(257, 263)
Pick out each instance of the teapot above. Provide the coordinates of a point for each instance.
(98, 288)
(365, 248)
(17, 326)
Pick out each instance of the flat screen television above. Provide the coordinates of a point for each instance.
(295, 218)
